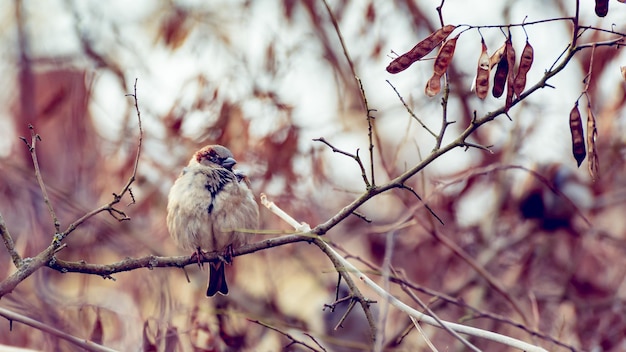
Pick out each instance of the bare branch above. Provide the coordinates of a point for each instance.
(152, 261)
(408, 109)
(368, 111)
(80, 342)
(33, 153)
(9, 244)
(110, 207)
(353, 156)
(403, 186)
(293, 340)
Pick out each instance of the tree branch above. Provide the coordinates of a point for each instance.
(33, 153)
(82, 343)
(9, 244)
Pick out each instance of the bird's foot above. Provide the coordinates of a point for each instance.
(227, 256)
(199, 256)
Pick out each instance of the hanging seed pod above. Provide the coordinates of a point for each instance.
(420, 50)
(592, 150)
(602, 7)
(525, 62)
(444, 56)
(482, 73)
(499, 79)
(433, 86)
(578, 140)
(510, 58)
(494, 59)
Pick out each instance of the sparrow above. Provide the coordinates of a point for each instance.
(211, 207)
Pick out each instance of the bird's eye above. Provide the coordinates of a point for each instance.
(214, 158)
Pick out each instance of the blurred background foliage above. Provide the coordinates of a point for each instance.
(264, 78)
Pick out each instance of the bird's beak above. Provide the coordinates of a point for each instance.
(229, 163)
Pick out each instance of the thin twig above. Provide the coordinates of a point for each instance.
(110, 207)
(370, 131)
(444, 113)
(80, 342)
(437, 319)
(353, 156)
(355, 292)
(575, 22)
(134, 174)
(288, 336)
(9, 244)
(430, 210)
(33, 153)
(410, 111)
(423, 333)
(368, 111)
(486, 148)
(440, 12)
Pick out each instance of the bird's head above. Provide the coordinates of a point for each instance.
(215, 156)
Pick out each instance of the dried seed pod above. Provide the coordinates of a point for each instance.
(420, 50)
(510, 58)
(433, 86)
(499, 79)
(525, 62)
(602, 7)
(592, 133)
(494, 59)
(578, 139)
(482, 73)
(444, 56)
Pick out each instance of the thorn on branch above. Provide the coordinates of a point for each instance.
(132, 197)
(118, 214)
(478, 146)
(30, 148)
(361, 216)
(430, 210)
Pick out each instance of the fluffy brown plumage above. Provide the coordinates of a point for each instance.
(211, 208)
